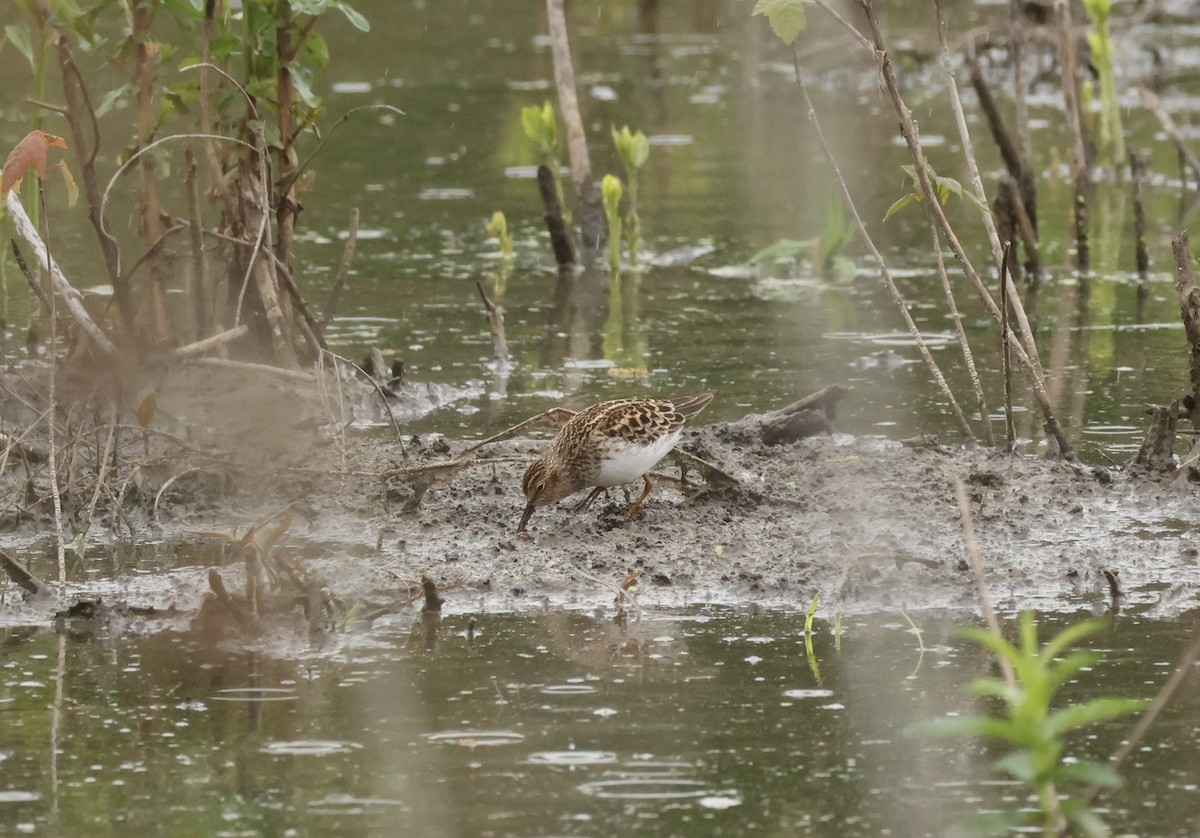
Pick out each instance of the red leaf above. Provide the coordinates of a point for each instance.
(31, 151)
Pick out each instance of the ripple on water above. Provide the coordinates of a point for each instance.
(257, 694)
(476, 738)
(346, 804)
(567, 689)
(18, 796)
(808, 693)
(310, 747)
(650, 787)
(572, 758)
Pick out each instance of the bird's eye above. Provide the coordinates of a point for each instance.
(541, 487)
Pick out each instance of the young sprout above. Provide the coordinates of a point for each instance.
(634, 149)
(497, 228)
(611, 192)
(542, 128)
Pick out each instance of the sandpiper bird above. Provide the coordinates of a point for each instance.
(608, 444)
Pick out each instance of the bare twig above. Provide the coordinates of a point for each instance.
(1025, 347)
(209, 343)
(70, 296)
(1137, 168)
(1155, 106)
(495, 317)
(981, 586)
(1010, 429)
(964, 344)
(884, 273)
(591, 211)
(21, 575)
(343, 271)
(202, 295)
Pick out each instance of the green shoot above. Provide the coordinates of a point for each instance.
(1111, 134)
(809, 652)
(1034, 731)
(611, 191)
(497, 228)
(920, 641)
(943, 187)
(541, 127)
(634, 149)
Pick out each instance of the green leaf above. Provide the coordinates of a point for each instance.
(1071, 635)
(785, 249)
(356, 20)
(1092, 773)
(900, 204)
(1096, 710)
(842, 270)
(111, 98)
(1019, 764)
(18, 36)
(987, 727)
(316, 50)
(786, 17)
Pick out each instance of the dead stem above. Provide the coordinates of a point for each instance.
(981, 586)
(591, 211)
(1155, 106)
(884, 273)
(965, 135)
(1080, 177)
(339, 282)
(1010, 430)
(960, 332)
(1025, 348)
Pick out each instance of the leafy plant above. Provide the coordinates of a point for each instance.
(1111, 134)
(244, 91)
(824, 250)
(787, 17)
(634, 149)
(1034, 731)
(611, 192)
(541, 127)
(943, 187)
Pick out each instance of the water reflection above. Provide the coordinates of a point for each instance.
(695, 720)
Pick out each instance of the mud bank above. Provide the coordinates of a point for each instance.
(870, 523)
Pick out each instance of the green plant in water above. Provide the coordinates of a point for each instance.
(943, 187)
(634, 149)
(541, 127)
(825, 250)
(611, 192)
(1111, 134)
(1035, 731)
(497, 228)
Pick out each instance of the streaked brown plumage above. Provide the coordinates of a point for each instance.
(608, 444)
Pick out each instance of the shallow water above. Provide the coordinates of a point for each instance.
(705, 719)
(734, 168)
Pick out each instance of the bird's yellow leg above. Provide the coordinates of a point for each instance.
(638, 503)
(586, 502)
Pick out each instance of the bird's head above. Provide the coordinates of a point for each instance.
(543, 485)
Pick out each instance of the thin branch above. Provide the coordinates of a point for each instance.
(70, 296)
(981, 586)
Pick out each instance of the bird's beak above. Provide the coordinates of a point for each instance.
(525, 518)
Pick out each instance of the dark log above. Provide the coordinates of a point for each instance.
(560, 239)
(809, 416)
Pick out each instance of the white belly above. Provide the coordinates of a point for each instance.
(626, 463)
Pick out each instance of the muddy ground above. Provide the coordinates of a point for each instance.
(870, 523)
